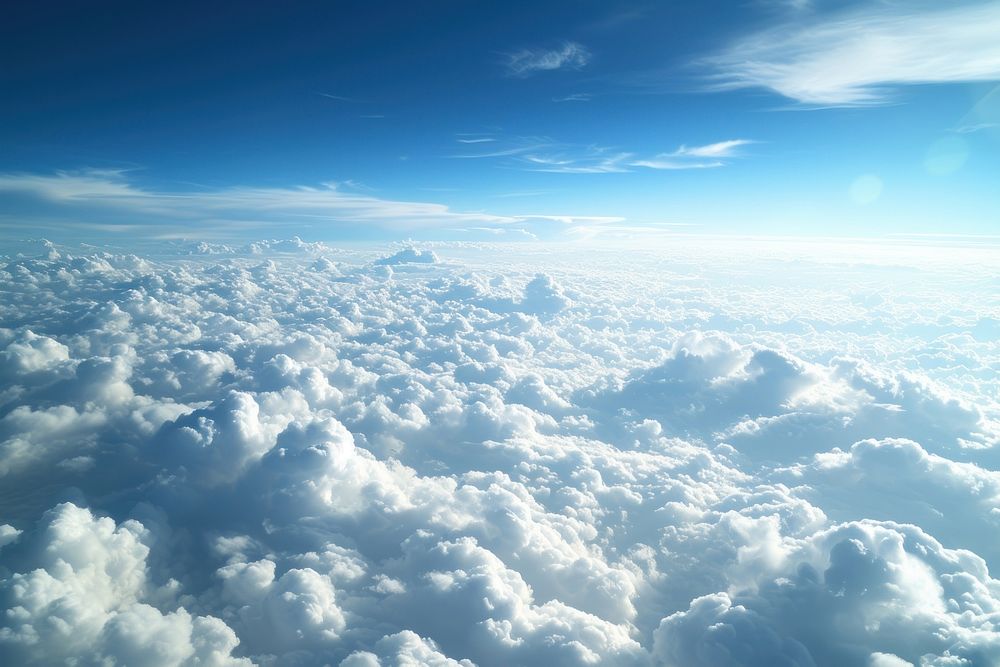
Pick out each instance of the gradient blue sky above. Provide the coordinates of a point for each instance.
(444, 119)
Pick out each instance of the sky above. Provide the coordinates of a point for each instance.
(454, 120)
(477, 334)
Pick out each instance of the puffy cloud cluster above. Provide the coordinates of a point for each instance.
(409, 256)
(290, 454)
(88, 596)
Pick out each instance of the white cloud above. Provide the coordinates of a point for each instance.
(861, 54)
(8, 534)
(708, 156)
(569, 55)
(326, 204)
(294, 453)
(899, 478)
(870, 580)
(591, 161)
(540, 154)
(716, 633)
(403, 649)
(719, 149)
(409, 256)
(85, 599)
(234, 212)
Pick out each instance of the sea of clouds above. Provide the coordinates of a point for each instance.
(698, 454)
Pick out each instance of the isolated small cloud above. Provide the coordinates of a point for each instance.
(526, 62)
(8, 534)
(719, 149)
(409, 256)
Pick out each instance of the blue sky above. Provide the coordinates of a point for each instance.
(458, 120)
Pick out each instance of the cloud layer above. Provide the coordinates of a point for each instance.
(293, 454)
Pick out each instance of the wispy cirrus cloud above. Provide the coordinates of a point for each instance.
(339, 98)
(975, 127)
(719, 149)
(526, 62)
(858, 56)
(590, 160)
(544, 154)
(541, 154)
(696, 157)
(109, 199)
(499, 152)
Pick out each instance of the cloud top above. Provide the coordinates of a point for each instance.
(486, 454)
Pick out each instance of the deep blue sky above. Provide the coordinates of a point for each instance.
(181, 119)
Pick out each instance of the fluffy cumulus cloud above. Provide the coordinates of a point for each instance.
(84, 599)
(293, 454)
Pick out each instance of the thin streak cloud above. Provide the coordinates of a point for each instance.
(708, 156)
(329, 205)
(540, 154)
(719, 149)
(595, 161)
(339, 98)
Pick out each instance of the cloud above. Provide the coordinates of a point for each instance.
(715, 632)
(229, 212)
(521, 145)
(719, 149)
(944, 496)
(526, 62)
(409, 256)
(592, 161)
(8, 534)
(708, 156)
(85, 599)
(289, 452)
(403, 648)
(339, 98)
(541, 154)
(327, 203)
(847, 576)
(860, 55)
